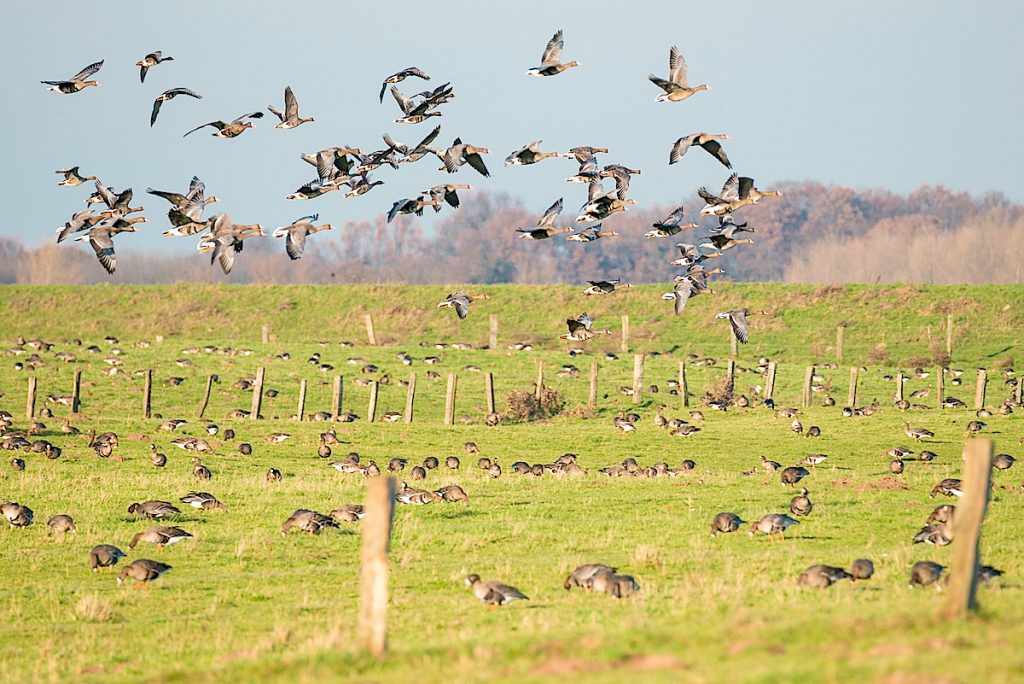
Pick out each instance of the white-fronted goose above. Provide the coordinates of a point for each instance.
(400, 76)
(545, 227)
(601, 204)
(104, 556)
(348, 513)
(950, 486)
(709, 141)
(822, 576)
(82, 220)
(738, 320)
(231, 129)
(290, 116)
(62, 524)
(446, 192)
(101, 239)
(550, 61)
(602, 287)
(690, 256)
(772, 524)
(531, 154)
(580, 329)
(225, 240)
(77, 82)
(308, 521)
(150, 61)
(670, 225)
(588, 170)
(169, 95)
(143, 571)
(460, 153)
(916, 433)
(460, 301)
(590, 234)
(417, 112)
(411, 205)
(494, 593)
(72, 177)
(296, 233)
(723, 242)
(724, 523)
(862, 569)
(801, 504)
(676, 86)
(413, 154)
(154, 508)
(737, 192)
(161, 535)
(361, 185)
(583, 576)
(924, 573)
(792, 475)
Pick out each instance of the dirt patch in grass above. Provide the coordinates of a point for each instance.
(886, 482)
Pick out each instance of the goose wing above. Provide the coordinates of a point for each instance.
(157, 103)
(677, 67)
(250, 115)
(103, 245)
(404, 102)
(219, 125)
(295, 243)
(680, 148)
(715, 149)
(745, 186)
(553, 50)
(87, 71)
(291, 105)
(548, 219)
(738, 320)
(730, 189)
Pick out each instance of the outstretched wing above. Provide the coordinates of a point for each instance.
(730, 189)
(477, 162)
(291, 105)
(295, 243)
(716, 150)
(87, 71)
(250, 115)
(677, 67)
(680, 148)
(553, 50)
(745, 185)
(738, 320)
(157, 103)
(404, 102)
(548, 219)
(219, 125)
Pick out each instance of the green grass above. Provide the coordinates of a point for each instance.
(244, 603)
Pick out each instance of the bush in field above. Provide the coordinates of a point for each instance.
(524, 406)
(720, 391)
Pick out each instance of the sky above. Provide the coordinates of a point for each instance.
(865, 94)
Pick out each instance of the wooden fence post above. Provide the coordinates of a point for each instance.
(449, 399)
(492, 341)
(949, 336)
(592, 397)
(730, 372)
(684, 390)
(410, 397)
(638, 378)
(970, 514)
(898, 396)
(76, 393)
(538, 388)
(769, 390)
(734, 343)
(979, 390)
(851, 397)
(371, 408)
(257, 394)
(265, 333)
(370, 336)
(300, 410)
(940, 387)
(808, 378)
(147, 395)
(336, 396)
(30, 404)
(373, 561)
(840, 331)
(1017, 391)
(206, 396)
(489, 392)
(625, 334)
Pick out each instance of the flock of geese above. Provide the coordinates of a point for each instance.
(348, 167)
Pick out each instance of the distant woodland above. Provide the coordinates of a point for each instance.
(814, 233)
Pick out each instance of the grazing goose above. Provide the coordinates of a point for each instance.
(203, 501)
(620, 586)
(708, 141)
(987, 573)
(494, 593)
(290, 116)
(154, 508)
(401, 76)
(17, 464)
(862, 569)
(452, 493)
(545, 227)
(143, 571)
(199, 471)
(550, 61)
(1003, 461)
(897, 466)
(738, 320)
(295, 234)
(724, 523)
(460, 153)
(452, 463)
(446, 192)
(936, 534)
(169, 95)
(624, 424)
(924, 573)
(916, 433)
(77, 82)
(62, 524)
(792, 475)
(948, 487)
(942, 513)
(232, 129)
(670, 225)
(822, 576)
(101, 239)
(104, 556)
(274, 475)
(975, 426)
(150, 61)
(72, 177)
(676, 87)
(348, 513)
(800, 504)
(772, 524)
(531, 154)
(583, 576)
(161, 535)
(601, 287)
(460, 301)
(308, 521)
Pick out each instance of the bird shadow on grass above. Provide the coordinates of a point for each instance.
(467, 513)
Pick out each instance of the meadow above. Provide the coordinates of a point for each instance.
(244, 603)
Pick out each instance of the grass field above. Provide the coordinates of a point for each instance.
(244, 603)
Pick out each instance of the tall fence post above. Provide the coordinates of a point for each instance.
(684, 390)
(449, 399)
(76, 393)
(337, 391)
(265, 333)
(625, 334)
(734, 343)
(492, 340)
(257, 394)
(638, 378)
(730, 372)
(949, 335)
(373, 561)
(806, 394)
(371, 408)
(538, 387)
(851, 397)
(371, 338)
(592, 397)
(1017, 391)
(940, 387)
(30, 404)
(410, 397)
(769, 390)
(206, 396)
(898, 395)
(970, 514)
(979, 389)
(489, 392)
(840, 331)
(147, 394)
(300, 410)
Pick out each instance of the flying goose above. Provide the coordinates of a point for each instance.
(738, 320)
(590, 234)
(531, 154)
(670, 225)
(161, 535)
(417, 112)
(77, 82)
(728, 227)
(225, 240)
(333, 164)
(361, 185)
(150, 61)
(290, 116)
(101, 239)
(460, 302)
(689, 256)
(737, 192)
(413, 154)
(232, 129)
(680, 295)
(295, 234)
(676, 87)
(545, 227)
(169, 95)
(143, 571)
(723, 242)
(588, 163)
(446, 192)
(580, 329)
(72, 177)
(600, 204)
(460, 153)
(550, 61)
(411, 205)
(82, 220)
(401, 76)
(709, 141)
(118, 203)
(494, 593)
(600, 287)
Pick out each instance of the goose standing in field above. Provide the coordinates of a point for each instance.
(150, 61)
(862, 569)
(772, 524)
(916, 433)
(143, 571)
(161, 535)
(61, 525)
(591, 234)
(446, 193)
(460, 301)
(104, 556)
(676, 86)
(231, 129)
(603, 287)
(290, 116)
(494, 593)
(545, 227)
(531, 154)
(709, 141)
(101, 239)
(738, 320)
(159, 460)
(670, 225)
(199, 471)
(154, 508)
(792, 475)
(801, 504)
(975, 426)
(77, 82)
(295, 234)
(924, 573)
(460, 153)
(16, 515)
(725, 523)
(1003, 461)
(72, 177)
(583, 576)
(822, 576)
(400, 76)
(166, 96)
(948, 487)
(550, 61)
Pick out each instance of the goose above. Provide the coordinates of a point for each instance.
(225, 240)
(602, 287)
(709, 141)
(792, 475)
(738, 320)
(723, 242)
(975, 426)
(987, 573)
(531, 154)
(600, 204)
(295, 234)
(623, 424)
(77, 82)
(460, 301)
(670, 225)
(620, 586)
(143, 571)
(161, 535)
(348, 513)
(772, 524)
(361, 185)
(118, 204)
(446, 193)
(583, 576)
(724, 523)
(104, 556)
(896, 466)
(154, 508)
(728, 227)
(80, 221)
(290, 116)
(927, 456)
(411, 205)
(800, 504)
(936, 534)
(199, 471)
(231, 129)
(186, 208)
(412, 154)
(460, 153)
(676, 86)
(590, 234)
(588, 170)
(494, 593)
(274, 475)
(62, 524)
(101, 239)
(680, 295)
(822, 576)
(862, 569)
(169, 95)
(17, 464)
(1003, 461)
(550, 61)
(545, 227)
(737, 192)
(308, 521)
(150, 61)
(452, 463)
(580, 329)
(333, 164)
(203, 501)
(924, 573)
(916, 433)
(948, 487)
(622, 175)
(72, 177)
(417, 112)
(684, 431)
(400, 76)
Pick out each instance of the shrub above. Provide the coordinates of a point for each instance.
(524, 406)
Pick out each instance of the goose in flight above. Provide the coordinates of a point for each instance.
(186, 211)
(225, 240)
(150, 61)
(413, 154)
(737, 192)
(709, 141)
(411, 205)
(333, 164)
(446, 192)
(290, 116)
(460, 301)
(169, 95)
(676, 86)
(545, 227)
(117, 203)
(590, 234)
(101, 239)
(230, 130)
(738, 320)
(551, 60)
(531, 154)
(670, 225)
(82, 220)
(723, 242)
(77, 82)
(580, 329)
(401, 76)
(416, 112)
(602, 287)
(588, 164)
(600, 204)
(689, 256)
(72, 177)
(460, 153)
(295, 234)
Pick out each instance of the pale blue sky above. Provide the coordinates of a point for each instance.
(866, 94)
